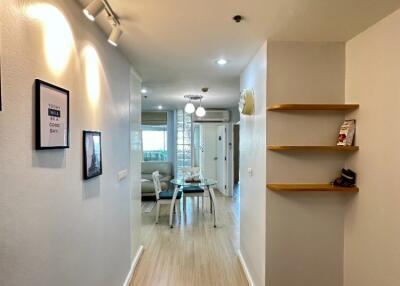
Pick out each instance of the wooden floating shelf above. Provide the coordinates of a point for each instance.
(310, 188)
(315, 107)
(314, 148)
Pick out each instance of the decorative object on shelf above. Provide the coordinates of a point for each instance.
(346, 179)
(52, 116)
(346, 133)
(190, 108)
(246, 102)
(92, 159)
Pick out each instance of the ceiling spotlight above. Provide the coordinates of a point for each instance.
(115, 36)
(222, 62)
(94, 9)
(159, 107)
(237, 18)
(143, 90)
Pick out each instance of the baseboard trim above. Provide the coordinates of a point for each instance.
(245, 269)
(133, 266)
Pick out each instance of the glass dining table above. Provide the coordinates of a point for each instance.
(205, 184)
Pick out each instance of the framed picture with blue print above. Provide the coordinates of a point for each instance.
(92, 159)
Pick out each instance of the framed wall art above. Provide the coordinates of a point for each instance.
(92, 159)
(52, 116)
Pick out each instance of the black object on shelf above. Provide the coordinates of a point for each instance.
(346, 179)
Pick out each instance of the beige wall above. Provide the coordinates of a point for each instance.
(304, 231)
(372, 232)
(55, 228)
(252, 155)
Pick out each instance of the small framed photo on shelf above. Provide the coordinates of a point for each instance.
(346, 133)
(52, 116)
(92, 159)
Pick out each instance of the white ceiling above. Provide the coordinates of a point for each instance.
(173, 44)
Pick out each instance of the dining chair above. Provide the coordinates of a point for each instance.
(164, 197)
(192, 191)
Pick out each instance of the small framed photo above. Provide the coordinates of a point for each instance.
(92, 160)
(52, 116)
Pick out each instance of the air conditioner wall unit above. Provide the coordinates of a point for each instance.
(213, 115)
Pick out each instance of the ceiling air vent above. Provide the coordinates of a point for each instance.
(213, 115)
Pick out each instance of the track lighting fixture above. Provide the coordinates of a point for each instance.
(94, 9)
(115, 36)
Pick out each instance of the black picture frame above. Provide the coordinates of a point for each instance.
(40, 87)
(94, 168)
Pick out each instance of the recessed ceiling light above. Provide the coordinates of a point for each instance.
(222, 62)
(143, 90)
(159, 107)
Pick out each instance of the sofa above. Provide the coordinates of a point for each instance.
(148, 167)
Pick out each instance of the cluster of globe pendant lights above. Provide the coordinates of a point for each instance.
(190, 108)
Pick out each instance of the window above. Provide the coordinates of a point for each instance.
(183, 141)
(154, 140)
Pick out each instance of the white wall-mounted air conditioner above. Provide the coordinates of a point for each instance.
(213, 115)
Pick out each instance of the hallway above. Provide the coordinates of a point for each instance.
(192, 253)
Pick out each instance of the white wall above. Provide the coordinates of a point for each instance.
(55, 228)
(304, 230)
(372, 232)
(136, 156)
(252, 155)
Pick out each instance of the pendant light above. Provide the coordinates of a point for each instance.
(189, 108)
(200, 112)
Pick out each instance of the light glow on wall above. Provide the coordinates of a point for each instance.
(92, 73)
(58, 38)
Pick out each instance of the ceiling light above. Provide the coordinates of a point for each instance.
(115, 36)
(222, 62)
(93, 9)
(159, 107)
(189, 108)
(201, 112)
(143, 90)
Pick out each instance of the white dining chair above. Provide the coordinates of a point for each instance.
(164, 197)
(192, 191)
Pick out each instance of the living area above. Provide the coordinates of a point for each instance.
(181, 145)
(190, 194)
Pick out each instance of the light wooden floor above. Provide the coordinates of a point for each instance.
(193, 252)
